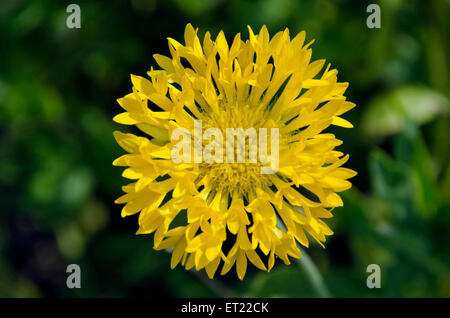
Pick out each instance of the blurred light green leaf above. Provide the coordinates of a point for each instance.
(76, 187)
(388, 114)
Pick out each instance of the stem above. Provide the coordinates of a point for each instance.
(313, 274)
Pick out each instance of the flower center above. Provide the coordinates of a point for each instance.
(236, 177)
(241, 178)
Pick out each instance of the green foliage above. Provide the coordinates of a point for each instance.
(389, 113)
(58, 91)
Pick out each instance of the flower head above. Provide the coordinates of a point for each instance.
(229, 213)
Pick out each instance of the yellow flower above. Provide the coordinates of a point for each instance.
(194, 208)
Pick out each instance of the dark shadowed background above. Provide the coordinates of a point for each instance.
(58, 88)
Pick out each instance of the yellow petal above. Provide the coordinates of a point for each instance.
(241, 264)
(338, 121)
(125, 119)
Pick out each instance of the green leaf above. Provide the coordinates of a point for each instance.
(389, 113)
(411, 149)
(390, 181)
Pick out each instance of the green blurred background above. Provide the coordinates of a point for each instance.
(58, 88)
